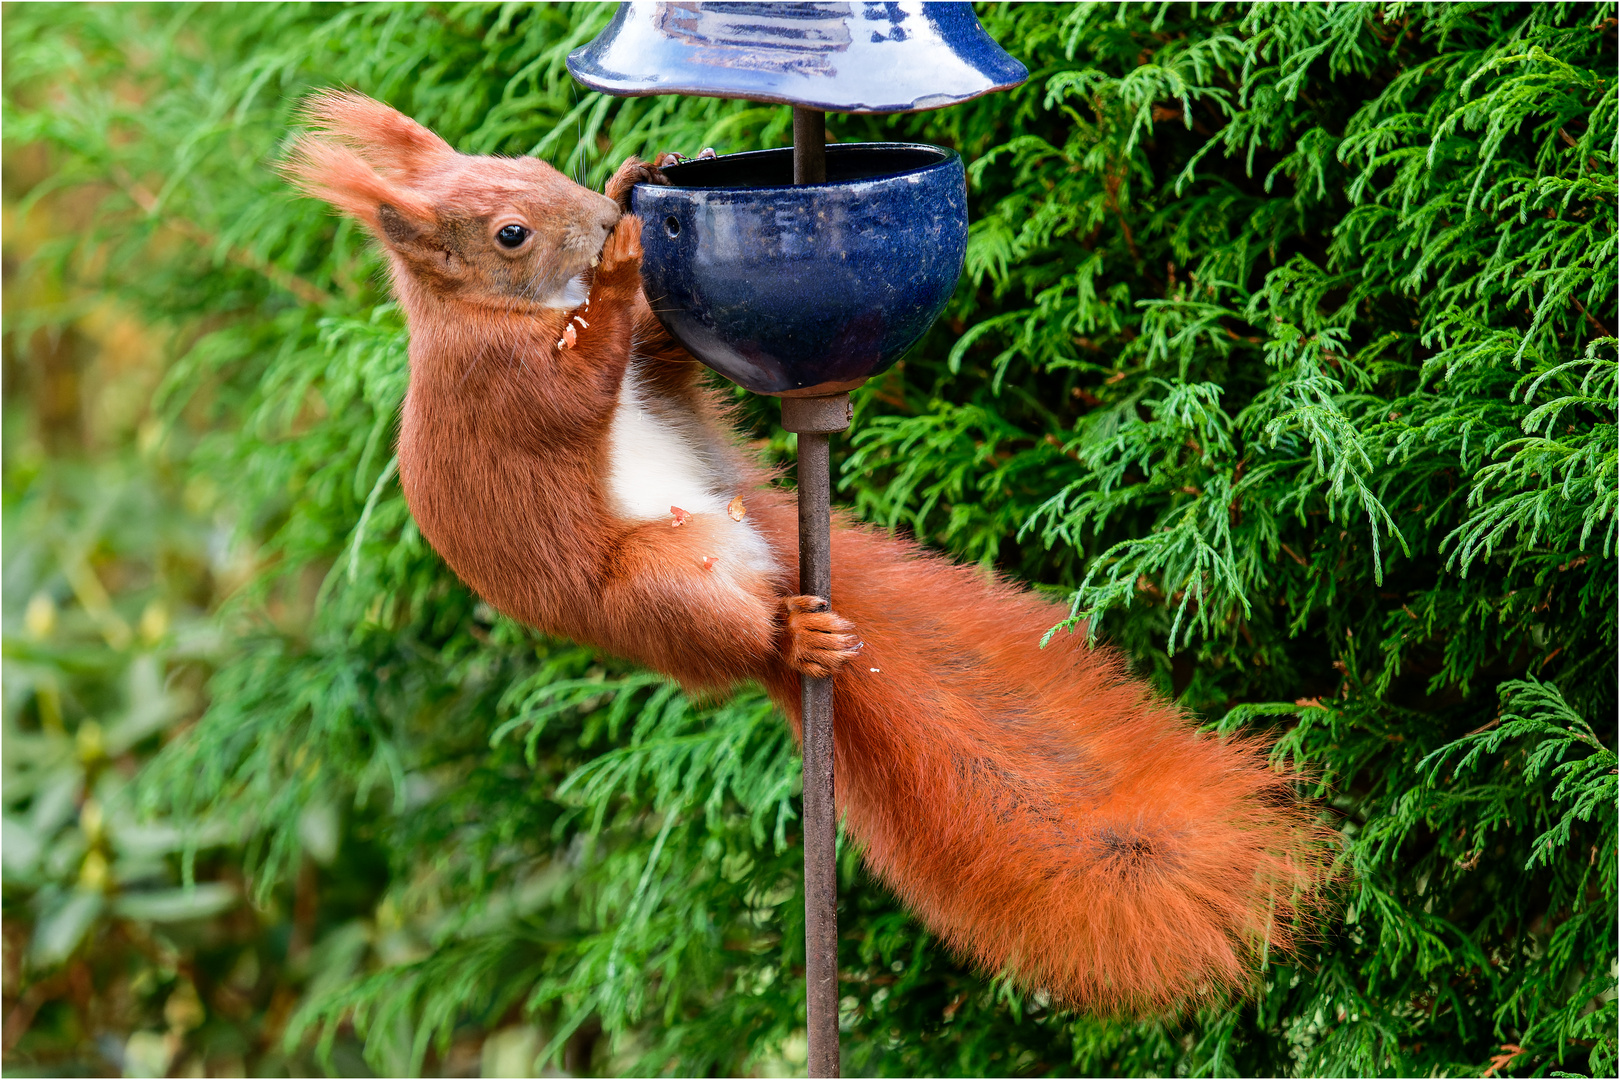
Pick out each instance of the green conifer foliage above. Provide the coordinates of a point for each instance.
(1285, 352)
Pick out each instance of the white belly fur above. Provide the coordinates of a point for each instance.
(654, 465)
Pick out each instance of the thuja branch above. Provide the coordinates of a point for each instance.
(306, 291)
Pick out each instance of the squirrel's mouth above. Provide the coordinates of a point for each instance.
(576, 291)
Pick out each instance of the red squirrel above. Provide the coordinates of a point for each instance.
(1039, 809)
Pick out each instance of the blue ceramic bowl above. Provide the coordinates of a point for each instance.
(795, 291)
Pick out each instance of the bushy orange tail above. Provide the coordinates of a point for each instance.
(1039, 809)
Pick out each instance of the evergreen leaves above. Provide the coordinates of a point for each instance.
(1285, 351)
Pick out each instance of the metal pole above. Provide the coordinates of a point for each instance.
(809, 146)
(814, 419)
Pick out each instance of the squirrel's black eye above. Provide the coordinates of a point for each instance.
(510, 236)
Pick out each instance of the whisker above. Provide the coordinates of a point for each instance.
(579, 152)
(472, 367)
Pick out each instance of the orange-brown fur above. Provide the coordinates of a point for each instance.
(1039, 809)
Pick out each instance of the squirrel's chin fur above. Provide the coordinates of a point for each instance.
(1039, 809)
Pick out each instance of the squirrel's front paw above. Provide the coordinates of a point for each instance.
(623, 247)
(635, 171)
(819, 642)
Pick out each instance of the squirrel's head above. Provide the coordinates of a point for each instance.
(509, 233)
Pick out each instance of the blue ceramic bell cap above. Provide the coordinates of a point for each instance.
(836, 57)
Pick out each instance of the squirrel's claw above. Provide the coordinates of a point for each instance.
(670, 157)
(819, 642)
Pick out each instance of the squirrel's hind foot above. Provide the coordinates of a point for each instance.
(819, 642)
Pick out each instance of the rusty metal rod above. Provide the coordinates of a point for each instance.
(809, 146)
(820, 817)
(814, 419)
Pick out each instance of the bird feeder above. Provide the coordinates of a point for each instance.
(802, 273)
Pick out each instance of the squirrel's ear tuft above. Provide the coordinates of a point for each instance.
(333, 172)
(388, 140)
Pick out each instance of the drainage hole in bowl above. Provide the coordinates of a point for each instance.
(672, 226)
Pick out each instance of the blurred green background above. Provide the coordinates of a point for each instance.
(1285, 351)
